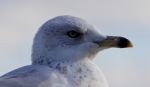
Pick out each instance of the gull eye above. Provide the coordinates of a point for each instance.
(73, 34)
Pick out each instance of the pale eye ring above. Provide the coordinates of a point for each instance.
(73, 34)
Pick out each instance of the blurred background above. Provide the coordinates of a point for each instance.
(20, 19)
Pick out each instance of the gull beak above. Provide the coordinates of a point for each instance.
(115, 41)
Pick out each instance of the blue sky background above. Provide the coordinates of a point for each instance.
(20, 19)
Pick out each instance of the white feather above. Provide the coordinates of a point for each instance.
(58, 60)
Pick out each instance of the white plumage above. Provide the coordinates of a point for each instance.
(62, 55)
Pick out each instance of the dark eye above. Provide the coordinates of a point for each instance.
(73, 34)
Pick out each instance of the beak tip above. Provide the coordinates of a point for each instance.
(129, 45)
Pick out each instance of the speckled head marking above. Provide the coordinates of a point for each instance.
(68, 38)
(53, 41)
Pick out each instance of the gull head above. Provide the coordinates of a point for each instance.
(68, 38)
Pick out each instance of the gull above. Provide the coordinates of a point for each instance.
(62, 56)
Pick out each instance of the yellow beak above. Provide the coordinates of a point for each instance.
(116, 41)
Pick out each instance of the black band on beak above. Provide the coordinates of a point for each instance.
(115, 41)
(123, 42)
